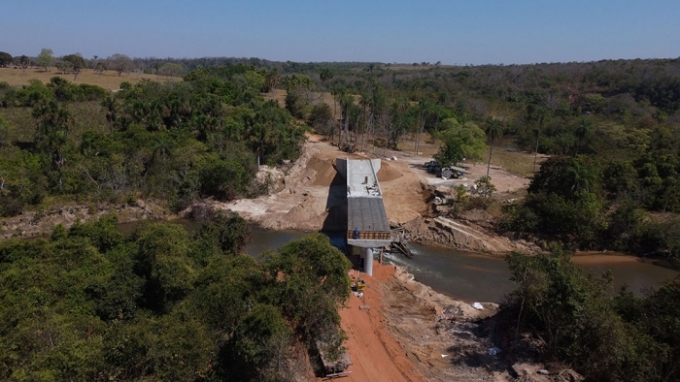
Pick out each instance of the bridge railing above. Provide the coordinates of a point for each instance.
(369, 235)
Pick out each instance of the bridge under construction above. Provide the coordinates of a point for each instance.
(367, 224)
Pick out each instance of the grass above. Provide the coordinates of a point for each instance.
(316, 97)
(109, 80)
(515, 162)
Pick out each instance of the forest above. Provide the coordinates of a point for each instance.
(92, 304)
(181, 141)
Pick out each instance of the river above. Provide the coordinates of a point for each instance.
(470, 276)
(478, 277)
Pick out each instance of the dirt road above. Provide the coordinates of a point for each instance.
(402, 330)
(375, 354)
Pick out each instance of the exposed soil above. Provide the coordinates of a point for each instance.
(311, 197)
(402, 330)
(464, 236)
(34, 224)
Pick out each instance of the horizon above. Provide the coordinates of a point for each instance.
(486, 32)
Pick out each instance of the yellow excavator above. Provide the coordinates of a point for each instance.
(357, 285)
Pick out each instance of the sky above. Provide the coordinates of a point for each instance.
(451, 31)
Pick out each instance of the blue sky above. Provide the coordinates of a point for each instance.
(454, 32)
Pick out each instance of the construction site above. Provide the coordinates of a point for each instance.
(397, 328)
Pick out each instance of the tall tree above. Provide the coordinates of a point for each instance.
(494, 130)
(23, 62)
(581, 133)
(45, 58)
(120, 63)
(111, 106)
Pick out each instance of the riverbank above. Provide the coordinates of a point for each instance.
(41, 223)
(402, 330)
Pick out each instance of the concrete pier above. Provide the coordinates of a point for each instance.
(368, 261)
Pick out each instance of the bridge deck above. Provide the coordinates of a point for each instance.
(369, 217)
(365, 209)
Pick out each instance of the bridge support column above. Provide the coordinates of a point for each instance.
(368, 261)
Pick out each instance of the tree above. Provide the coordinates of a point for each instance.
(76, 60)
(271, 81)
(5, 59)
(100, 67)
(45, 58)
(326, 74)
(321, 118)
(77, 63)
(171, 69)
(460, 141)
(494, 130)
(345, 103)
(4, 135)
(120, 63)
(52, 126)
(338, 93)
(581, 133)
(23, 62)
(111, 106)
(484, 187)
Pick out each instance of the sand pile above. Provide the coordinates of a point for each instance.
(388, 173)
(325, 172)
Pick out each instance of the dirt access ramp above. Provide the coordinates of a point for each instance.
(402, 330)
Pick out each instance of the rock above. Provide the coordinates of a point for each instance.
(365, 307)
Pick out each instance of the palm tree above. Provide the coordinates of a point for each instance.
(581, 132)
(338, 93)
(109, 103)
(271, 80)
(582, 176)
(542, 114)
(494, 130)
(424, 108)
(345, 103)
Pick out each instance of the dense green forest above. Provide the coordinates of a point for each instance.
(202, 137)
(92, 304)
(580, 320)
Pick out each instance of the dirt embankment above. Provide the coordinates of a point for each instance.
(310, 196)
(402, 330)
(463, 236)
(312, 192)
(33, 224)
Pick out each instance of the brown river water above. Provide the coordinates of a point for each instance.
(470, 276)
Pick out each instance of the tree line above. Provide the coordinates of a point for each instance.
(200, 138)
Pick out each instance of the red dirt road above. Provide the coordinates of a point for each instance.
(376, 355)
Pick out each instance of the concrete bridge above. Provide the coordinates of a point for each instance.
(367, 224)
